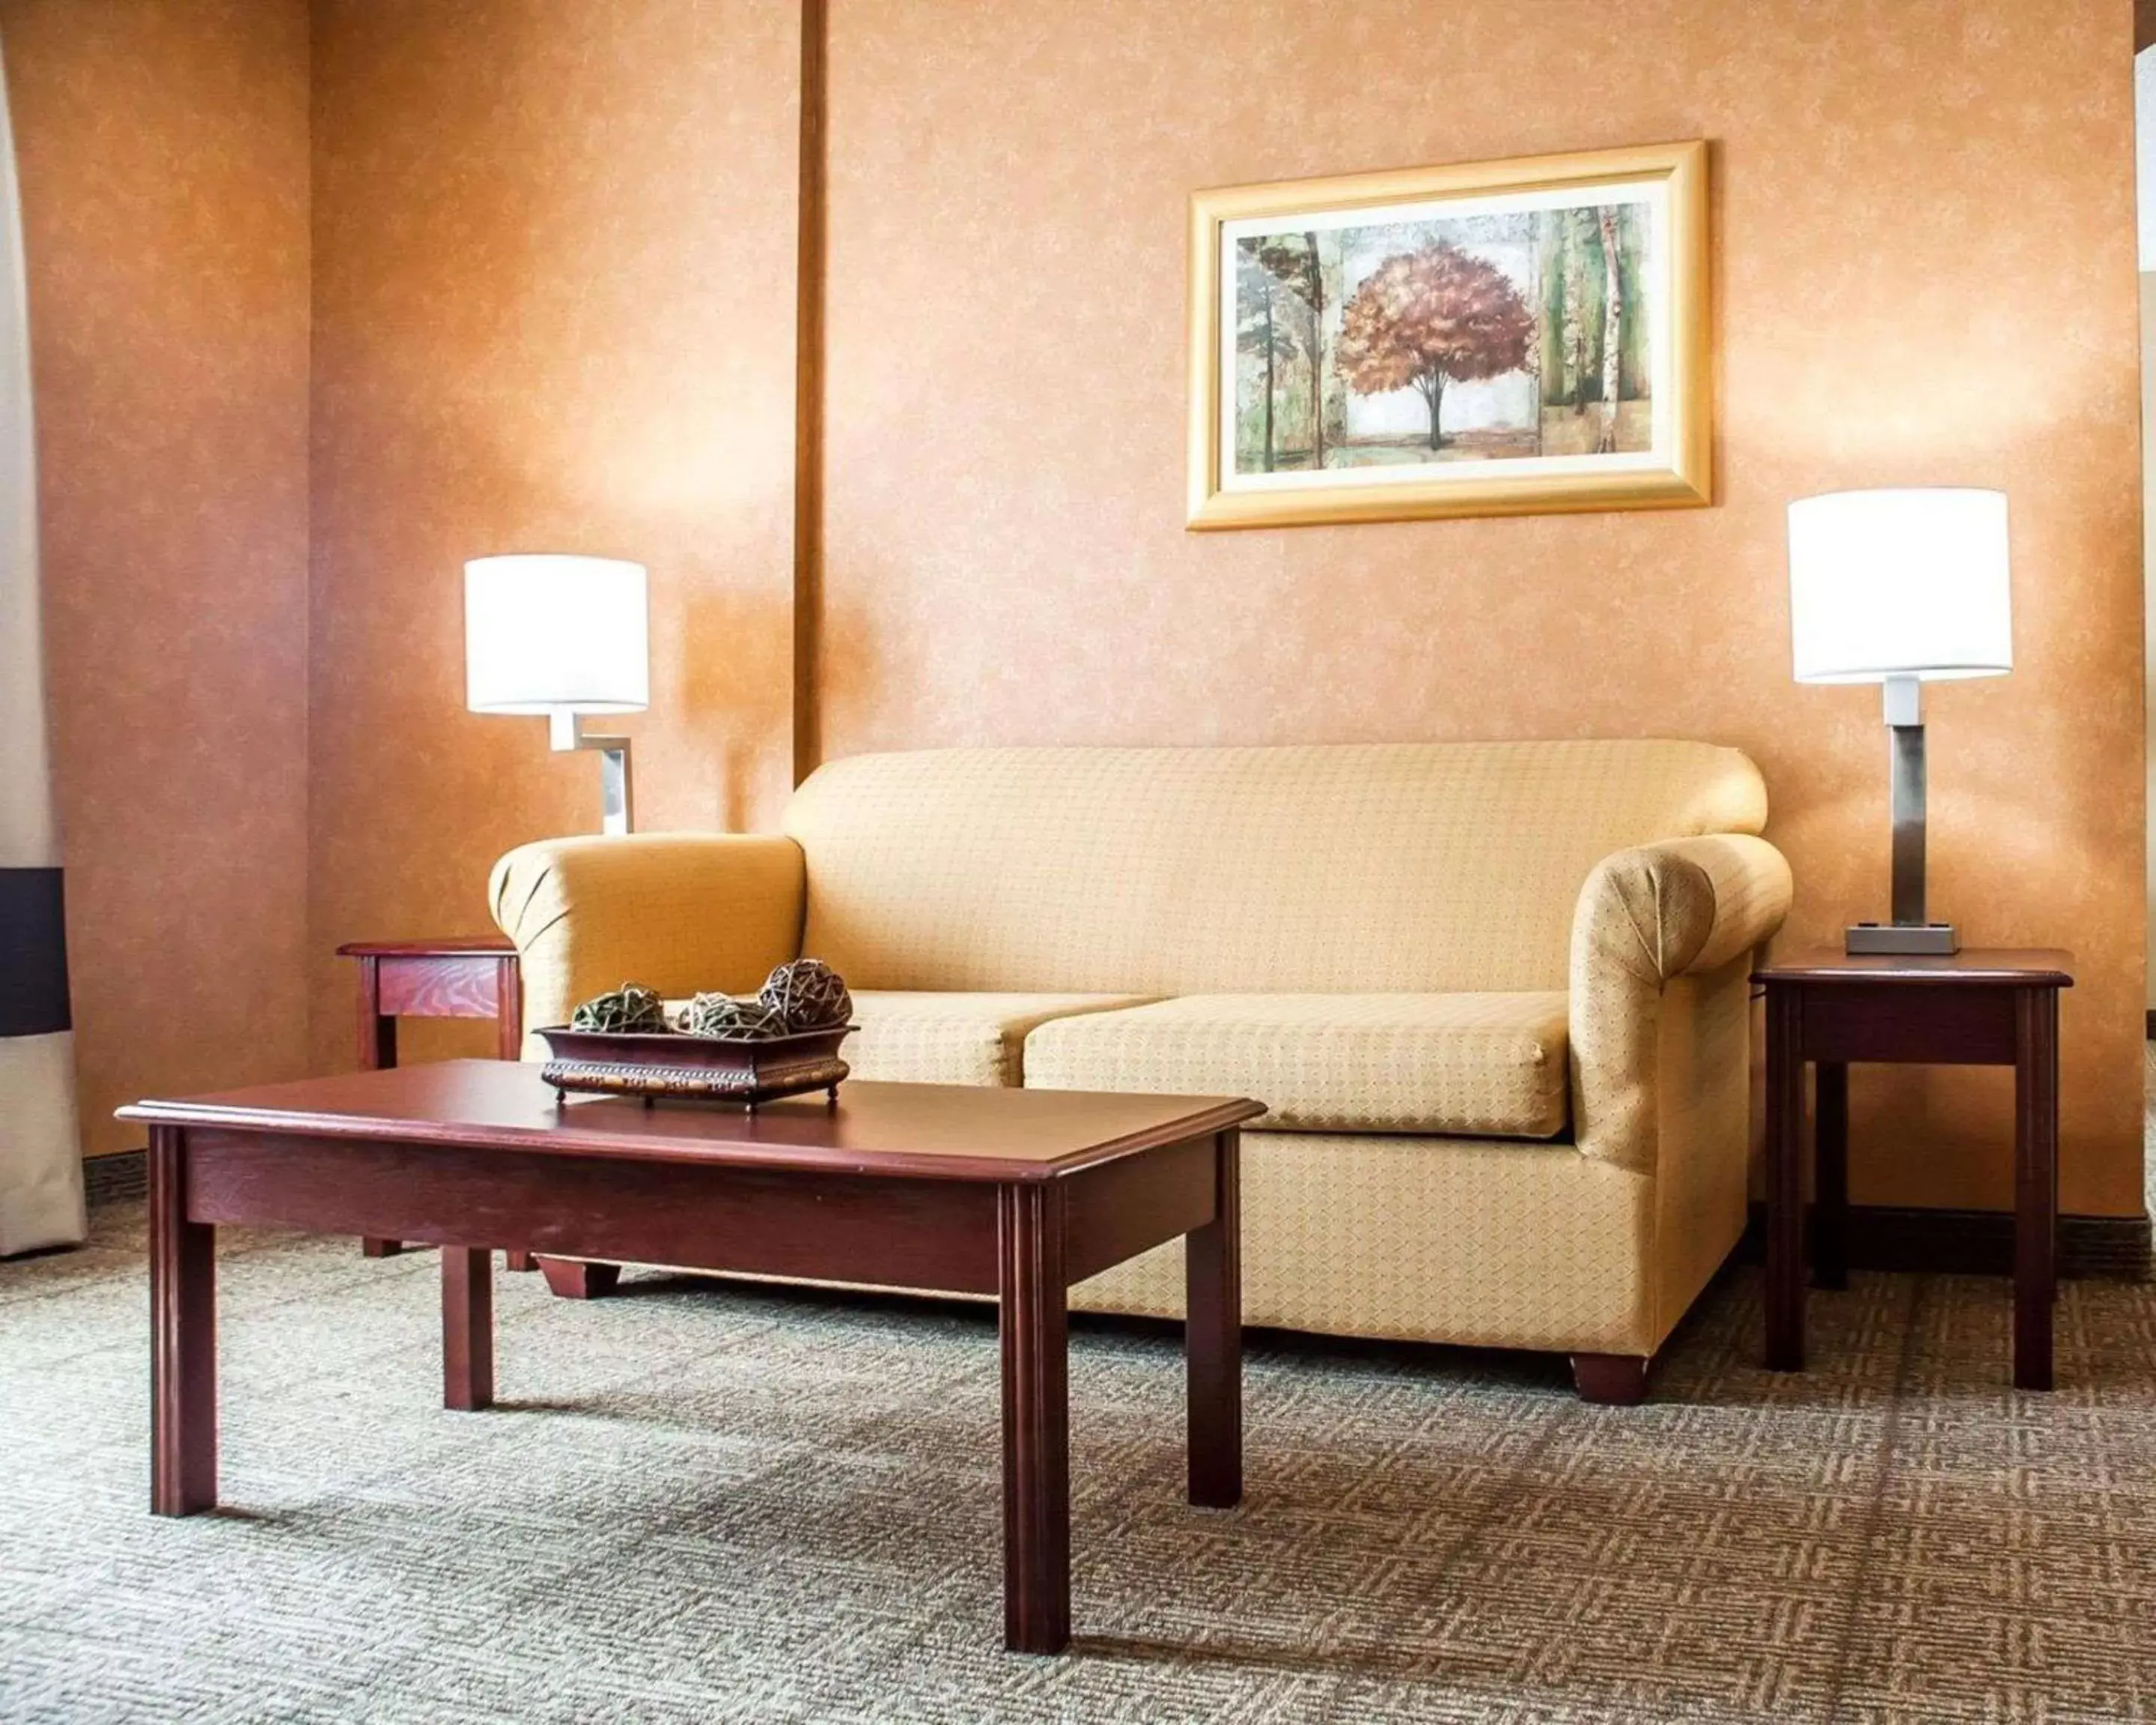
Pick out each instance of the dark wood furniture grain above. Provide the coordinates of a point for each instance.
(460, 976)
(1975, 1008)
(1611, 1380)
(1017, 1194)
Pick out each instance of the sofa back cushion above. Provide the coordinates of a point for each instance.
(1428, 867)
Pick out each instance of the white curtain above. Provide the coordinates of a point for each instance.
(41, 1201)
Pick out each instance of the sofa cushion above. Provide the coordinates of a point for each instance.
(956, 1038)
(1490, 1064)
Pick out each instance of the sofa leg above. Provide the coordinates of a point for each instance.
(572, 1279)
(1611, 1380)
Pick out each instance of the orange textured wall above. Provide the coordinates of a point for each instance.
(1925, 271)
(553, 311)
(553, 302)
(163, 150)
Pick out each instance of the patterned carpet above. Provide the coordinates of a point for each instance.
(705, 1503)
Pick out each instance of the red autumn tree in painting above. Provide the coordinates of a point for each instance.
(1429, 315)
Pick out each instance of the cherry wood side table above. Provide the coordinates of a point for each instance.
(1997, 1007)
(459, 977)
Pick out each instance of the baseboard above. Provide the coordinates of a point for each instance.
(1976, 1242)
(116, 1179)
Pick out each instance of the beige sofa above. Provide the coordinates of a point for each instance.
(1495, 994)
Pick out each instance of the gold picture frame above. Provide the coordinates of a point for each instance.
(1563, 300)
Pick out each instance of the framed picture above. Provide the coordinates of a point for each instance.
(1496, 338)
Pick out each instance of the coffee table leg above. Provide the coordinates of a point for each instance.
(182, 1338)
(2036, 1184)
(467, 1327)
(1034, 1322)
(1213, 1338)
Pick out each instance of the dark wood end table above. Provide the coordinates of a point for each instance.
(1996, 1007)
(1016, 1194)
(455, 977)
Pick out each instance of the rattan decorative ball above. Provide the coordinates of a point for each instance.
(809, 994)
(728, 1015)
(631, 1007)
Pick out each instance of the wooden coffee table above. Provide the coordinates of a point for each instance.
(1014, 1193)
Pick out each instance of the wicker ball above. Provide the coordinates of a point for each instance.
(807, 995)
(725, 1015)
(632, 1007)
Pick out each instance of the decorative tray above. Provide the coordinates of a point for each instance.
(653, 1064)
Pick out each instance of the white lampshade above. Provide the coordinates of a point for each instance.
(549, 633)
(1900, 584)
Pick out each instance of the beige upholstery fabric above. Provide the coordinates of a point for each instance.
(956, 1039)
(1427, 868)
(1645, 916)
(1476, 1065)
(1702, 1138)
(1505, 1243)
(679, 912)
(995, 907)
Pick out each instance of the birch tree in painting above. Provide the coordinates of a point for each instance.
(1261, 333)
(1613, 330)
(1429, 315)
(1575, 308)
(1300, 270)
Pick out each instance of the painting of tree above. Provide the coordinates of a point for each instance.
(1449, 340)
(1435, 314)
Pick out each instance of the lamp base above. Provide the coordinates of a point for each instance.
(1935, 940)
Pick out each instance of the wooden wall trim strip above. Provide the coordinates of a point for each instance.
(1947, 1242)
(809, 395)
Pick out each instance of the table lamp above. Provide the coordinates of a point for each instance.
(1901, 587)
(562, 636)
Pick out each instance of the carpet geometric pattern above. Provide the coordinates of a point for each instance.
(703, 1501)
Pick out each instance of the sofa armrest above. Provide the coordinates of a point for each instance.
(1646, 918)
(677, 911)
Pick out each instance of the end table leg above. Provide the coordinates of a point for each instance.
(2035, 1190)
(1034, 1322)
(1830, 1176)
(467, 1327)
(1213, 1338)
(1785, 1179)
(377, 1047)
(182, 1338)
(516, 1261)
(508, 1009)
